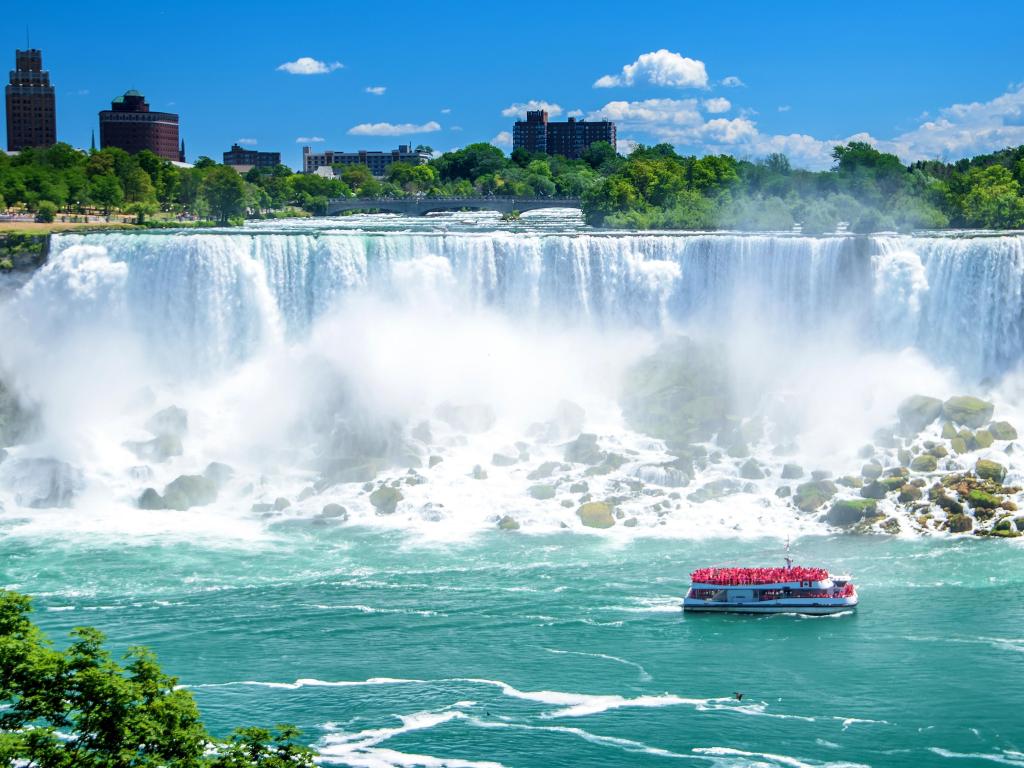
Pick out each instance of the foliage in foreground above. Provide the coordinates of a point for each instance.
(80, 708)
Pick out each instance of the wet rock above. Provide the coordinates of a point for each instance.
(335, 512)
(820, 474)
(385, 499)
(567, 503)
(874, 490)
(349, 470)
(261, 507)
(422, 432)
(871, 471)
(751, 470)
(891, 526)
(157, 450)
(810, 496)
(170, 421)
(596, 514)
(281, 504)
(187, 491)
(948, 431)
(850, 481)
(909, 493)
(959, 445)
(3, 455)
(866, 451)
(1002, 430)
(219, 473)
(478, 473)
(41, 483)
(568, 418)
(983, 438)
(977, 498)
(846, 512)
(546, 469)
(473, 419)
(584, 450)
(306, 493)
(503, 460)
(792, 472)
(508, 523)
(783, 491)
(716, 489)
(433, 461)
(542, 492)
(924, 463)
(904, 457)
(938, 451)
(581, 487)
(16, 419)
(950, 505)
(959, 523)
(990, 470)
(917, 412)
(150, 499)
(969, 411)
(631, 522)
(609, 464)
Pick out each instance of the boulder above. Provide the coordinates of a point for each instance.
(503, 460)
(473, 418)
(783, 491)
(41, 483)
(546, 469)
(478, 473)
(924, 463)
(385, 499)
(630, 522)
(150, 499)
(874, 490)
(977, 498)
(508, 523)
(846, 512)
(157, 450)
(751, 470)
(584, 450)
(938, 451)
(950, 505)
(716, 489)
(219, 473)
(904, 457)
(850, 481)
(917, 412)
(948, 430)
(609, 464)
(959, 523)
(568, 418)
(792, 472)
(187, 491)
(16, 420)
(871, 471)
(542, 492)
(170, 421)
(909, 493)
(334, 512)
(810, 496)
(959, 445)
(596, 514)
(821, 474)
(990, 470)
(983, 438)
(281, 504)
(422, 432)
(1002, 430)
(969, 411)
(580, 487)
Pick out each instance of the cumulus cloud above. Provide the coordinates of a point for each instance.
(732, 82)
(503, 139)
(784, 108)
(247, 142)
(662, 67)
(625, 147)
(519, 109)
(574, 113)
(307, 65)
(717, 105)
(393, 129)
(376, 90)
(309, 140)
(446, 110)
(650, 113)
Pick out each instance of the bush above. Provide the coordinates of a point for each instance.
(46, 211)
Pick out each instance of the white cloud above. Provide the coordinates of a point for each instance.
(247, 142)
(376, 90)
(455, 128)
(520, 109)
(503, 139)
(650, 113)
(309, 140)
(306, 65)
(662, 67)
(392, 129)
(574, 113)
(717, 105)
(446, 110)
(625, 147)
(732, 82)
(785, 108)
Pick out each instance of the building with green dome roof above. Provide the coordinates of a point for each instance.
(130, 125)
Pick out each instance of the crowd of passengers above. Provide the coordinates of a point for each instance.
(740, 576)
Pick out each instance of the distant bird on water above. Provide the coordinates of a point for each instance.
(738, 695)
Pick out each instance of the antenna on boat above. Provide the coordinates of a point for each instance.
(789, 560)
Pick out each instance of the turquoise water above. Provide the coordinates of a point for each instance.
(566, 649)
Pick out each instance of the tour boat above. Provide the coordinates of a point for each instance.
(792, 589)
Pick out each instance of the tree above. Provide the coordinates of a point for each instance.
(204, 162)
(46, 210)
(994, 199)
(105, 190)
(81, 708)
(224, 192)
(599, 154)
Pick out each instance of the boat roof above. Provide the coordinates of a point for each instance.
(740, 576)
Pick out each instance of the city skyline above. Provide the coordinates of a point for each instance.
(906, 80)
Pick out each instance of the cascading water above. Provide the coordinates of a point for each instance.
(278, 342)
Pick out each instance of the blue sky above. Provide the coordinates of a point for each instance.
(935, 79)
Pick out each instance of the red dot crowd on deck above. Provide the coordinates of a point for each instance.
(739, 576)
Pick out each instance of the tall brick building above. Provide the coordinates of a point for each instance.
(537, 134)
(130, 125)
(31, 106)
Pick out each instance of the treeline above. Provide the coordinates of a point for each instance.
(653, 188)
(79, 707)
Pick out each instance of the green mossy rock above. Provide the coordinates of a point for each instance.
(846, 512)
(850, 481)
(1002, 430)
(751, 470)
(990, 470)
(810, 496)
(950, 505)
(584, 450)
(609, 464)
(508, 523)
(792, 472)
(948, 431)
(970, 411)
(334, 512)
(871, 471)
(187, 491)
(892, 483)
(581, 487)
(959, 445)
(917, 412)
(596, 514)
(150, 499)
(909, 493)
(904, 457)
(924, 463)
(542, 492)
(938, 451)
(385, 499)
(983, 438)
(977, 498)
(874, 490)
(960, 523)
(546, 469)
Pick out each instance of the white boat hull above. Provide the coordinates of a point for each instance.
(810, 608)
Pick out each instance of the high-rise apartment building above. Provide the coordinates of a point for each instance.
(31, 106)
(569, 139)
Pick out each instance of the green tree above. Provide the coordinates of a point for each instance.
(105, 191)
(46, 210)
(223, 191)
(993, 199)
